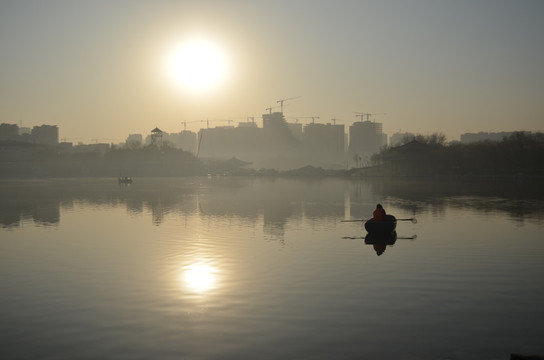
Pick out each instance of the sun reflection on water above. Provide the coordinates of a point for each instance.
(200, 277)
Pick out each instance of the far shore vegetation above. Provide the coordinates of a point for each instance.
(520, 154)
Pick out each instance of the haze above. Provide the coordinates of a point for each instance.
(96, 69)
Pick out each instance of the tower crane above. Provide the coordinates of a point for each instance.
(227, 120)
(305, 117)
(271, 108)
(368, 115)
(185, 123)
(282, 100)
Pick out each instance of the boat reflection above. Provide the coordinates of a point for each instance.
(381, 241)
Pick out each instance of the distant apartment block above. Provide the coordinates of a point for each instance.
(278, 136)
(185, 140)
(9, 132)
(366, 138)
(296, 130)
(245, 140)
(325, 139)
(45, 134)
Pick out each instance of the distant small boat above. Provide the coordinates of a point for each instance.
(125, 180)
(381, 227)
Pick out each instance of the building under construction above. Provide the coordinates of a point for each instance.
(366, 138)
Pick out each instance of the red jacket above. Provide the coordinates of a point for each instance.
(379, 215)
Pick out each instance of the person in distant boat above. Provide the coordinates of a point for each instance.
(379, 213)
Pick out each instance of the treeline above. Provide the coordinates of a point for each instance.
(519, 153)
(29, 160)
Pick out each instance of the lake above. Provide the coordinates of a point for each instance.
(264, 268)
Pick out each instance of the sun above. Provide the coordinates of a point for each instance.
(197, 65)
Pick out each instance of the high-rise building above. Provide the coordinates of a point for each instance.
(45, 134)
(324, 139)
(366, 138)
(296, 129)
(185, 140)
(278, 137)
(242, 142)
(323, 145)
(9, 132)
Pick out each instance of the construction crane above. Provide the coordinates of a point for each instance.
(361, 115)
(227, 120)
(334, 120)
(185, 123)
(305, 117)
(271, 108)
(282, 100)
(368, 115)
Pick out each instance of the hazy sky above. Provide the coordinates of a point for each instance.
(96, 68)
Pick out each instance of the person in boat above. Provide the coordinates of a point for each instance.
(379, 213)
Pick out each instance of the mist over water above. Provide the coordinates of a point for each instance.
(243, 267)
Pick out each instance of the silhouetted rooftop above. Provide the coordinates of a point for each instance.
(413, 145)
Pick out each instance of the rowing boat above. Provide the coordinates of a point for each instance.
(381, 227)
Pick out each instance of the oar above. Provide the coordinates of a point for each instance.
(413, 220)
(413, 237)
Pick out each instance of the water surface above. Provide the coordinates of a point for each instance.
(244, 268)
